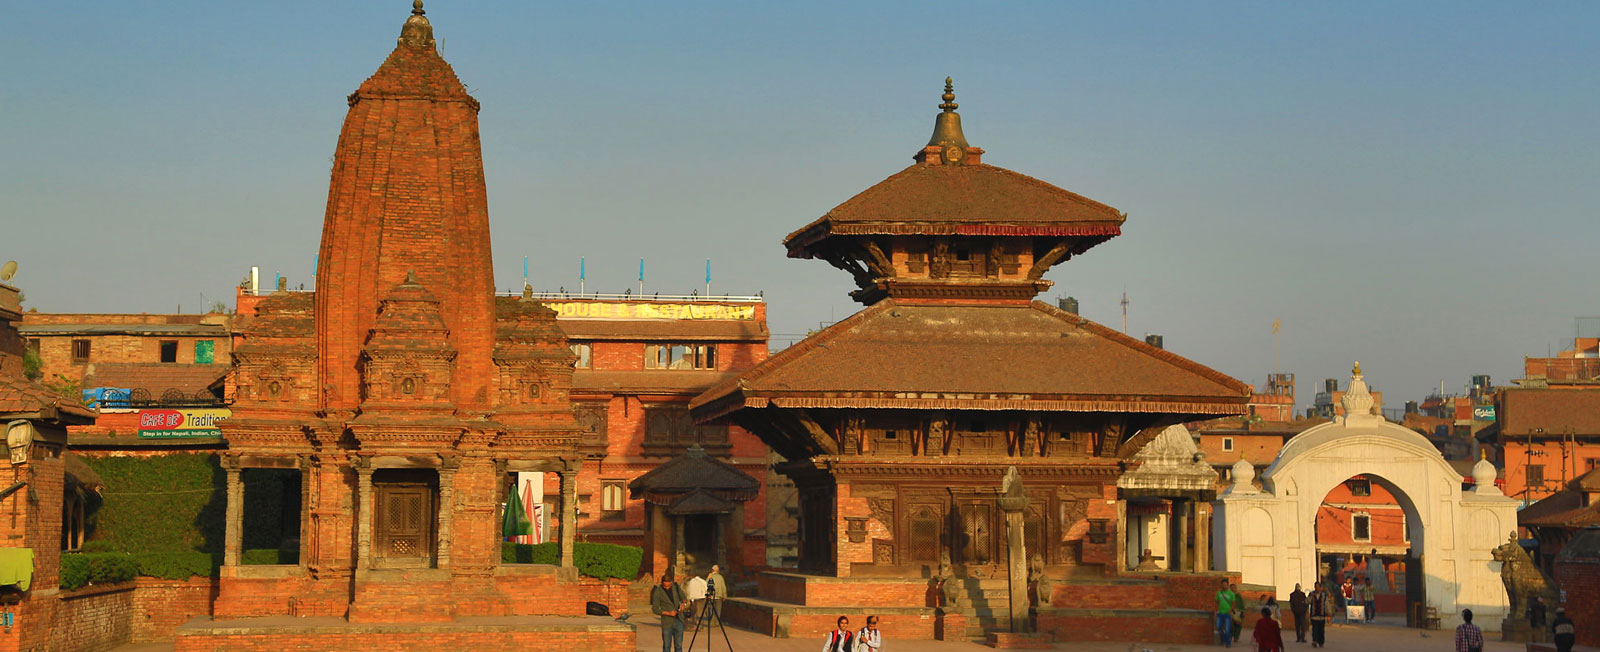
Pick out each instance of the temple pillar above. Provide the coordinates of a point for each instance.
(1202, 537)
(1013, 502)
(233, 531)
(1183, 558)
(569, 515)
(363, 513)
(1122, 536)
(677, 543)
(447, 507)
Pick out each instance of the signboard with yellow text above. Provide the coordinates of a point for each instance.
(182, 422)
(631, 310)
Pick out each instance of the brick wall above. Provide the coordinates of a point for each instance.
(815, 591)
(1580, 581)
(93, 618)
(478, 641)
(1152, 627)
(159, 606)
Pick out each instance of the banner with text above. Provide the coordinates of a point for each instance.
(601, 310)
(179, 423)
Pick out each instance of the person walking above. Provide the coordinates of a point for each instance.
(869, 639)
(1468, 637)
(668, 601)
(1225, 603)
(1238, 612)
(1369, 599)
(1297, 608)
(1565, 632)
(1320, 608)
(1268, 635)
(1274, 610)
(841, 639)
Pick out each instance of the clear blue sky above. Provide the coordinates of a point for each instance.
(1408, 184)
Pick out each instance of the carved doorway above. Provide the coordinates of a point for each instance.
(405, 519)
(976, 546)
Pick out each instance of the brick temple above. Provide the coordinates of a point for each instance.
(401, 396)
(899, 421)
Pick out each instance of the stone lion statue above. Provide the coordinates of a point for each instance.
(1522, 578)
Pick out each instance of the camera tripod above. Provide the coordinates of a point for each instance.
(709, 611)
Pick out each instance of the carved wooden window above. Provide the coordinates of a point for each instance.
(668, 430)
(680, 356)
(891, 441)
(975, 437)
(916, 259)
(923, 535)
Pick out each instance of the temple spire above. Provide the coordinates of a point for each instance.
(947, 126)
(417, 32)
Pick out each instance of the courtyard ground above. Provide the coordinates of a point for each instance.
(1377, 637)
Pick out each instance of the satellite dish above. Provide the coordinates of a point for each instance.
(8, 271)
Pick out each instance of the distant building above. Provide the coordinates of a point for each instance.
(1546, 429)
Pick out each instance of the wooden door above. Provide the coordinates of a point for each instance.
(403, 534)
(975, 533)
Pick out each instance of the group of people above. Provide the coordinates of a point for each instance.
(1318, 607)
(673, 605)
(1358, 594)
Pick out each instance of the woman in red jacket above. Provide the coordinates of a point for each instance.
(1269, 638)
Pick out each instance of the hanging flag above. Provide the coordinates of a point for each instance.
(641, 270)
(581, 269)
(524, 268)
(708, 271)
(516, 522)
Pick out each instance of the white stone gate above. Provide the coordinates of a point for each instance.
(1268, 534)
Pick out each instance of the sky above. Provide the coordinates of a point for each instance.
(1407, 184)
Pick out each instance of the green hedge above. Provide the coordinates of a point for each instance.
(79, 570)
(602, 560)
(172, 503)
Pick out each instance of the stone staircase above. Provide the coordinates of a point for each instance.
(988, 601)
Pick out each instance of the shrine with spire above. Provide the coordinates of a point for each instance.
(898, 422)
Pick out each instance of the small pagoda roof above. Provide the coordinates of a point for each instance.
(901, 355)
(694, 471)
(699, 502)
(973, 199)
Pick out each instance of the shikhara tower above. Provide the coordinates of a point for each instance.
(403, 390)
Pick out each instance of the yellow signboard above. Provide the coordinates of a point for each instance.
(632, 310)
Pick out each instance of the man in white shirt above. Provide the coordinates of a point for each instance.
(869, 639)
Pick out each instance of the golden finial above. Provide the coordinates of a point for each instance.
(1357, 370)
(1483, 454)
(947, 128)
(417, 32)
(416, 8)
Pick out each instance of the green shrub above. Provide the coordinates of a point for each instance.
(525, 553)
(602, 560)
(606, 560)
(177, 565)
(162, 503)
(82, 569)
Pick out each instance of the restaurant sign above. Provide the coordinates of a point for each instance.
(645, 310)
(181, 423)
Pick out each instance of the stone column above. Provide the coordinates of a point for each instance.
(1202, 537)
(569, 514)
(233, 532)
(722, 539)
(1012, 502)
(677, 543)
(1181, 558)
(447, 506)
(364, 513)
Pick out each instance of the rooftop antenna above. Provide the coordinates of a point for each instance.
(1124, 311)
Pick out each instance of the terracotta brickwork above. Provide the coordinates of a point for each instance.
(1580, 583)
(159, 606)
(121, 338)
(462, 639)
(94, 618)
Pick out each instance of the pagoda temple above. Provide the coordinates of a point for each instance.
(401, 397)
(899, 422)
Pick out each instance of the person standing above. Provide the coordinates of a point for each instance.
(1297, 608)
(1320, 608)
(841, 639)
(1238, 612)
(1347, 597)
(668, 601)
(1468, 637)
(1565, 632)
(716, 590)
(1225, 599)
(869, 639)
(1369, 599)
(1536, 618)
(1268, 635)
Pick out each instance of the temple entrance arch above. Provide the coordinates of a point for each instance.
(1364, 532)
(1268, 533)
